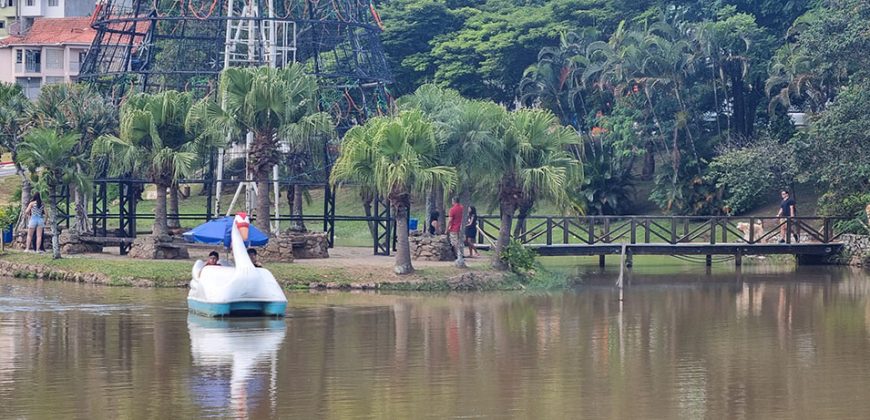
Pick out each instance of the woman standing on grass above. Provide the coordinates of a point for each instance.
(471, 232)
(36, 223)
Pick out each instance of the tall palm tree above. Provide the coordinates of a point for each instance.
(530, 161)
(49, 154)
(76, 109)
(440, 106)
(272, 104)
(14, 111)
(556, 80)
(152, 145)
(393, 154)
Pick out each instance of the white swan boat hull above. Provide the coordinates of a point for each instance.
(226, 291)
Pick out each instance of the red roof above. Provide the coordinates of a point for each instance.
(55, 31)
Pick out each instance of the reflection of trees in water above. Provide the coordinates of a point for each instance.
(686, 350)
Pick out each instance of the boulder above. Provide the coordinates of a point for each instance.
(72, 244)
(431, 248)
(157, 248)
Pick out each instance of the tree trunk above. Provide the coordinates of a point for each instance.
(525, 209)
(172, 218)
(263, 202)
(160, 227)
(403, 245)
(80, 225)
(52, 215)
(430, 207)
(26, 195)
(439, 207)
(649, 162)
(298, 224)
(367, 200)
(504, 235)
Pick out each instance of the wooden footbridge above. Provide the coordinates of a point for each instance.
(670, 235)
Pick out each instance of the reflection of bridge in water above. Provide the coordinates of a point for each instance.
(806, 237)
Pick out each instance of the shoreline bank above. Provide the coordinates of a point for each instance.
(335, 273)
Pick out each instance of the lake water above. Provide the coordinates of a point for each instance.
(685, 343)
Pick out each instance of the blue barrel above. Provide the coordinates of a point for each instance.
(7, 234)
(412, 224)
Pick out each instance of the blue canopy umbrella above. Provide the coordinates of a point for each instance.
(218, 231)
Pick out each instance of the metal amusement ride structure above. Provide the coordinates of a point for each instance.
(153, 45)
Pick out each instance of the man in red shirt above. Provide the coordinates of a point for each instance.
(454, 231)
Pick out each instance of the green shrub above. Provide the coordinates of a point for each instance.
(9, 215)
(520, 260)
(852, 206)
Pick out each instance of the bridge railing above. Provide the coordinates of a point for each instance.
(596, 230)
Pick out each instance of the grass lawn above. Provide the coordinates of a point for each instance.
(166, 273)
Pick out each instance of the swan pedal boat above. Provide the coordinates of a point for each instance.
(221, 290)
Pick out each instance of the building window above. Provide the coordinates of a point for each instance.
(2, 24)
(33, 61)
(76, 58)
(19, 61)
(30, 85)
(54, 80)
(52, 3)
(28, 3)
(53, 59)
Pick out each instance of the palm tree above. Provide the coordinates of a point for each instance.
(14, 110)
(76, 109)
(393, 154)
(272, 104)
(152, 145)
(556, 82)
(306, 138)
(440, 106)
(530, 161)
(50, 155)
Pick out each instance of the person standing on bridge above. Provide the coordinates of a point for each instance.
(786, 210)
(454, 231)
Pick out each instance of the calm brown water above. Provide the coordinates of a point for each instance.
(686, 344)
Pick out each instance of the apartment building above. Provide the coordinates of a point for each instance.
(50, 52)
(7, 16)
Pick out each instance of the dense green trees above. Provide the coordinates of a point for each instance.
(659, 90)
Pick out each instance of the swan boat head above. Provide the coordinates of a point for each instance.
(242, 222)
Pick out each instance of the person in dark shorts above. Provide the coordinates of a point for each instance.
(786, 210)
(471, 232)
(433, 222)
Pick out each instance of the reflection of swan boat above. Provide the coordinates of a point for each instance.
(240, 344)
(243, 289)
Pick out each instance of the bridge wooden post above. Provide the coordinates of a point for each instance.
(591, 224)
(549, 231)
(827, 233)
(646, 234)
(752, 230)
(601, 260)
(709, 258)
(673, 231)
(633, 230)
(566, 223)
